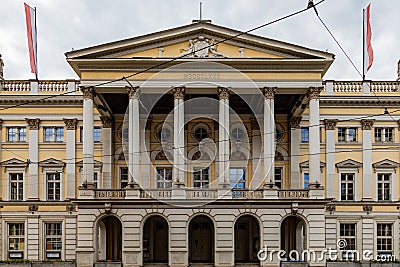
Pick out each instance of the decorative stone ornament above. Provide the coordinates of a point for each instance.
(331, 208)
(201, 47)
(330, 124)
(269, 92)
(88, 92)
(179, 92)
(367, 124)
(33, 123)
(295, 122)
(132, 91)
(107, 121)
(314, 92)
(70, 124)
(33, 207)
(223, 93)
(367, 208)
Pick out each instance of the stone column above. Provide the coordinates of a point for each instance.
(133, 130)
(331, 179)
(269, 136)
(33, 181)
(179, 136)
(223, 133)
(314, 137)
(107, 152)
(295, 139)
(88, 141)
(70, 125)
(367, 159)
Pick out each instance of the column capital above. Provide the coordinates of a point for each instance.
(313, 92)
(295, 122)
(179, 92)
(88, 92)
(269, 92)
(223, 92)
(106, 121)
(330, 124)
(70, 124)
(367, 124)
(132, 91)
(33, 124)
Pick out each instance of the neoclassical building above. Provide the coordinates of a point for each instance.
(199, 146)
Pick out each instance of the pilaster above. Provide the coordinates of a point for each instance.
(295, 139)
(330, 126)
(33, 179)
(367, 159)
(70, 125)
(269, 135)
(107, 152)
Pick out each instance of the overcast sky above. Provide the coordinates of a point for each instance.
(67, 24)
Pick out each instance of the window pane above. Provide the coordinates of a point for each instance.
(96, 134)
(306, 180)
(48, 134)
(22, 134)
(59, 134)
(304, 134)
(12, 134)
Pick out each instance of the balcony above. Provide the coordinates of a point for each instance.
(200, 194)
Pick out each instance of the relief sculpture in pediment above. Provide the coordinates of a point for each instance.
(201, 47)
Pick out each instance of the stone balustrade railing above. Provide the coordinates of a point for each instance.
(247, 194)
(109, 193)
(293, 193)
(156, 193)
(347, 87)
(34, 87)
(385, 87)
(201, 193)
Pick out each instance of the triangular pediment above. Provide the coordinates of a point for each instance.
(96, 164)
(14, 163)
(217, 41)
(386, 163)
(52, 162)
(306, 164)
(348, 163)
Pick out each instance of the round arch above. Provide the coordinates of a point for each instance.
(247, 238)
(155, 236)
(201, 238)
(294, 233)
(108, 232)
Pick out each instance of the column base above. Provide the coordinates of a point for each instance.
(270, 193)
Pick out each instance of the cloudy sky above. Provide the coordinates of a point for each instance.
(73, 24)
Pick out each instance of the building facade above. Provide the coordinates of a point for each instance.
(200, 146)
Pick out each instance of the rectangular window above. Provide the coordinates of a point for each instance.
(53, 240)
(384, 239)
(16, 186)
(54, 134)
(201, 178)
(16, 240)
(123, 177)
(278, 177)
(347, 134)
(53, 186)
(304, 134)
(383, 134)
(96, 134)
(306, 178)
(164, 177)
(95, 179)
(237, 178)
(384, 186)
(16, 134)
(347, 186)
(348, 232)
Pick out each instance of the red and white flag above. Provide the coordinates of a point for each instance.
(30, 14)
(368, 51)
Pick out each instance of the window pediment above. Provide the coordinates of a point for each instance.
(51, 162)
(385, 164)
(306, 164)
(16, 163)
(348, 163)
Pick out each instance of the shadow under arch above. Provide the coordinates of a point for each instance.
(247, 238)
(108, 230)
(293, 235)
(201, 239)
(155, 239)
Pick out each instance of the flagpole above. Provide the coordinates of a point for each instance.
(363, 50)
(37, 67)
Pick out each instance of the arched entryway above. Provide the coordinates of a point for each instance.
(155, 240)
(293, 235)
(109, 233)
(247, 239)
(201, 240)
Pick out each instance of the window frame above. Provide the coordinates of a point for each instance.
(305, 134)
(282, 181)
(207, 183)
(120, 176)
(44, 224)
(244, 176)
(164, 182)
(94, 139)
(23, 236)
(353, 182)
(8, 172)
(384, 134)
(18, 134)
(347, 134)
(346, 237)
(394, 233)
(19, 183)
(54, 134)
(391, 186)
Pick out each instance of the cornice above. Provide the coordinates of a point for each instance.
(40, 100)
(359, 101)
